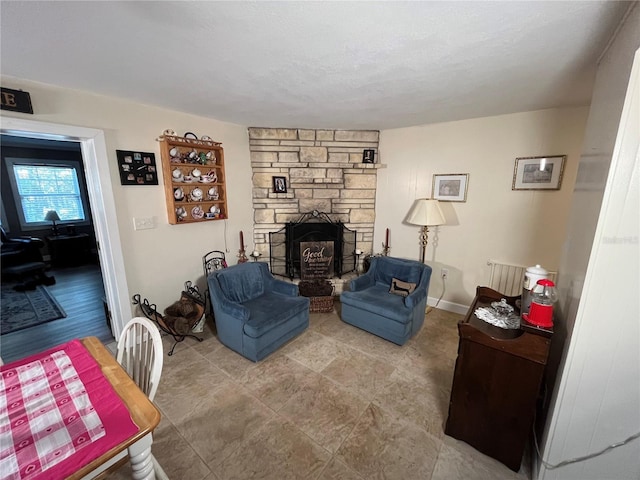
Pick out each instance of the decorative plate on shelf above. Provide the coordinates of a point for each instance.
(197, 212)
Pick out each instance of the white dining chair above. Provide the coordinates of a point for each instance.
(139, 352)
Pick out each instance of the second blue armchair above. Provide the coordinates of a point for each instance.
(370, 306)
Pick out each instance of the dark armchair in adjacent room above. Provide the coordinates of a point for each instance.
(255, 314)
(390, 300)
(22, 260)
(20, 250)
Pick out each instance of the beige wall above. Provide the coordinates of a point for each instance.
(521, 227)
(157, 261)
(495, 222)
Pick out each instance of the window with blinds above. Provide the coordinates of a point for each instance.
(39, 188)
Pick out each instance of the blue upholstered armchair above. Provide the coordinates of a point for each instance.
(394, 317)
(255, 313)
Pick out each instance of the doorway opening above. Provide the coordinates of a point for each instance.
(102, 206)
(40, 177)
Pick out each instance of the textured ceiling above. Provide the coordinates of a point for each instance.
(354, 65)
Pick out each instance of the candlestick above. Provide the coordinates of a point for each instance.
(241, 241)
(385, 246)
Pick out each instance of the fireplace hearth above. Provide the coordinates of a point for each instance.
(314, 226)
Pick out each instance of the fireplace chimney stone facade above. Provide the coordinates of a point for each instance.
(324, 171)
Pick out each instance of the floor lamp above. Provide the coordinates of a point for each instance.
(425, 212)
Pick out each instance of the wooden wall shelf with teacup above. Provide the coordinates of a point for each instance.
(194, 179)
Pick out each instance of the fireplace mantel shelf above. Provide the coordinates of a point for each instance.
(362, 166)
(343, 165)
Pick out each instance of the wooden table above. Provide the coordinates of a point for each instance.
(73, 412)
(143, 412)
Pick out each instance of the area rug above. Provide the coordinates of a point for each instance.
(22, 310)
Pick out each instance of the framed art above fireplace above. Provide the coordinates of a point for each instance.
(280, 184)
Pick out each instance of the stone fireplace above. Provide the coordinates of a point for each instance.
(324, 171)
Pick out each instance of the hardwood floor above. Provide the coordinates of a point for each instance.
(79, 291)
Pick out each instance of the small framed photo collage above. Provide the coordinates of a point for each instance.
(137, 168)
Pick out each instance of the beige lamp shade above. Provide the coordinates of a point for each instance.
(426, 212)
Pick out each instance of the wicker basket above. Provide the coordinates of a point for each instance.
(321, 304)
(320, 293)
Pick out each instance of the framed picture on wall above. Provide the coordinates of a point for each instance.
(538, 173)
(450, 187)
(368, 156)
(280, 184)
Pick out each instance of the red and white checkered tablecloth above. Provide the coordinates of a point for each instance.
(57, 413)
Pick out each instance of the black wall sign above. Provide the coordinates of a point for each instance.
(16, 101)
(316, 260)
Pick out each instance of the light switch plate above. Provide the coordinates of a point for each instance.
(144, 223)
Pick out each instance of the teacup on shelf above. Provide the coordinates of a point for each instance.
(181, 213)
(196, 194)
(177, 175)
(209, 177)
(178, 194)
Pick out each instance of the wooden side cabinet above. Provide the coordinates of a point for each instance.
(496, 383)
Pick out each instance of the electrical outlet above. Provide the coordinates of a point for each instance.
(143, 223)
(444, 273)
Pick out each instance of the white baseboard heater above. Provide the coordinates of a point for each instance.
(507, 278)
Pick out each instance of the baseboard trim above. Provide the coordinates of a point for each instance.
(448, 306)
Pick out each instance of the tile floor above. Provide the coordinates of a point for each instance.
(334, 403)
